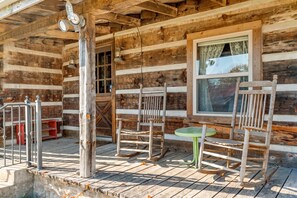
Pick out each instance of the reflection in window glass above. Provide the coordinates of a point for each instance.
(216, 94)
(216, 60)
(223, 58)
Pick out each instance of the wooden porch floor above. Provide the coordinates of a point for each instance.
(136, 177)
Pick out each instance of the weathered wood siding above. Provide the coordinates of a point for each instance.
(34, 67)
(70, 94)
(161, 57)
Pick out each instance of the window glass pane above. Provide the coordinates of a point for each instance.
(101, 58)
(101, 72)
(222, 58)
(97, 87)
(108, 86)
(101, 86)
(108, 57)
(108, 71)
(217, 94)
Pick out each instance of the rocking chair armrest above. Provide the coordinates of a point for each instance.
(255, 129)
(215, 124)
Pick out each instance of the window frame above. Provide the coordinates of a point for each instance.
(104, 49)
(254, 32)
(196, 77)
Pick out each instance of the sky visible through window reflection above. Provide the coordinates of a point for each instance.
(225, 65)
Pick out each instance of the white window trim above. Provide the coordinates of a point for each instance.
(248, 33)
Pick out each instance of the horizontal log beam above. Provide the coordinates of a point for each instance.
(59, 35)
(221, 2)
(17, 7)
(119, 18)
(88, 6)
(30, 29)
(160, 8)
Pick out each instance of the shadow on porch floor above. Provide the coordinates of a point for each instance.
(136, 177)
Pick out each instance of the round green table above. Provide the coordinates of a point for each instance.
(194, 133)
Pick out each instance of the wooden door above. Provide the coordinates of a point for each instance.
(105, 100)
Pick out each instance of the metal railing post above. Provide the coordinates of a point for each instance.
(38, 133)
(28, 130)
(4, 137)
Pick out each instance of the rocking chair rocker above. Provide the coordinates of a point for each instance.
(150, 126)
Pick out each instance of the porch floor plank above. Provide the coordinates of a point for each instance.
(274, 186)
(289, 190)
(137, 177)
(140, 174)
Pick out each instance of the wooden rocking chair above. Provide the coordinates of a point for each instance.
(150, 125)
(254, 98)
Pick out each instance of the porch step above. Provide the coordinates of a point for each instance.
(15, 181)
(13, 174)
(7, 189)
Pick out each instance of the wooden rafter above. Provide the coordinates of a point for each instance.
(4, 3)
(60, 35)
(88, 6)
(17, 7)
(160, 8)
(221, 2)
(120, 19)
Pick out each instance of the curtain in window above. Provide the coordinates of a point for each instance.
(206, 53)
(240, 47)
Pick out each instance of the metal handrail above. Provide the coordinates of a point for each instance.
(32, 114)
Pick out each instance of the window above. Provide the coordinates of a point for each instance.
(215, 59)
(217, 64)
(103, 72)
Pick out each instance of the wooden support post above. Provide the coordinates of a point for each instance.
(87, 101)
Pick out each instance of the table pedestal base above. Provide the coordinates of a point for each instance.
(195, 154)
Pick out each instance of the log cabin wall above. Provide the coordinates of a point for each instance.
(157, 53)
(71, 87)
(70, 94)
(164, 60)
(34, 67)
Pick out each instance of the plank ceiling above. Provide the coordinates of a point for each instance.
(110, 24)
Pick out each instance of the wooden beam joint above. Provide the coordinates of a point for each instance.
(119, 18)
(160, 8)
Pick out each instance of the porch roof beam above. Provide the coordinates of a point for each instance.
(119, 18)
(158, 7)
(88, 6)
(221, 2)
(59, 35)
(16, 7)
(4, 3)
